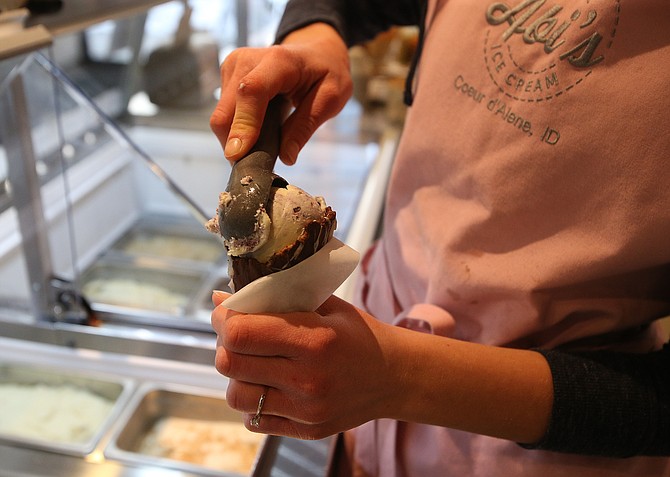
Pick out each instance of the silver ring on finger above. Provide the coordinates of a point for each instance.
(256, 420)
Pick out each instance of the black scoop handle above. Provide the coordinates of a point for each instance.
(251, 177)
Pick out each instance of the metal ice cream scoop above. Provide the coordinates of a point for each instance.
(251, 178)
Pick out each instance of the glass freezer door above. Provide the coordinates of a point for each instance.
(96, 231)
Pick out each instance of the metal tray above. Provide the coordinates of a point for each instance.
(47, 380)
(146, 286)
(153, 404)
(187, 244)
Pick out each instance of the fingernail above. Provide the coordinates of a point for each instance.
(220, 294)
(233, 146)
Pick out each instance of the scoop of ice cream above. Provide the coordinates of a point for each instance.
(239, 246)
(294, 226)
(290, 209)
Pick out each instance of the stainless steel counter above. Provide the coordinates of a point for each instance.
(140, 376)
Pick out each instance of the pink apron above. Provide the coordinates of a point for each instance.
(529, 206)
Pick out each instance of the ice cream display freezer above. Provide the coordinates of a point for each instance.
(106, 275)
(104, 225)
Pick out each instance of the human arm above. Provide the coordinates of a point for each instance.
(337, 368)
(309, 65)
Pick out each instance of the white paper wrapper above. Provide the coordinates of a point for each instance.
(303, 287)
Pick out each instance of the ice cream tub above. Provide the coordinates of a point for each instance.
(121, 287)
(172, 241)
(187, 429)
(58, 410)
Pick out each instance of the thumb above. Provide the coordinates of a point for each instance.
(219, 297)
